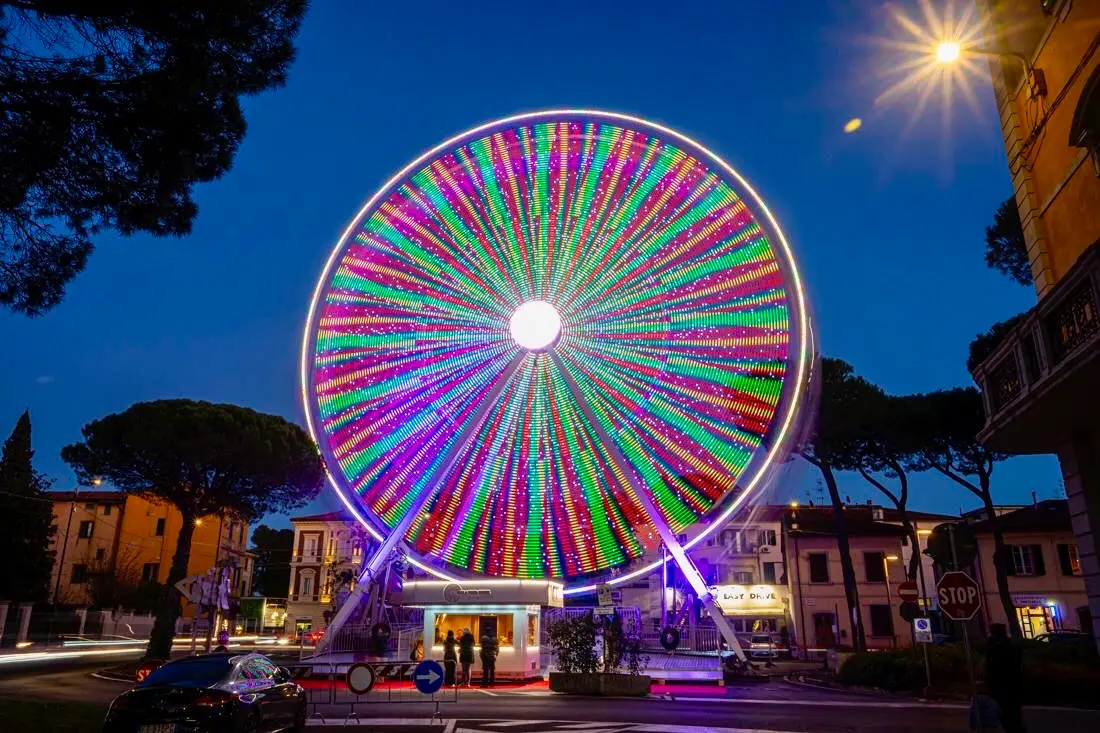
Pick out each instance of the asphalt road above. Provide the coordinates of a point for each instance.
(776, 706)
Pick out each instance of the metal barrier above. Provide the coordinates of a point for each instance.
(330, 697)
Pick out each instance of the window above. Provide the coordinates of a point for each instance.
(79, 574)
(85, 530)
(106, 510)
(195, 672)
(769, 572)
(882, 620)
(532, 629)
(729, 538)
(100, 553)
(307, 585)
(1026, 560)
(767, 537)
(743, 577)
(150, 571)
(1035, 620)
(310, 546)
(485, 624)
(873, 567)
(159, 532)
(89, 507)
(1069, 560)
(819, 567)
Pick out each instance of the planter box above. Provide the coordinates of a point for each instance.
(608, 685)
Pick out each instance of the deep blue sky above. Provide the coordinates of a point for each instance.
(887, 224)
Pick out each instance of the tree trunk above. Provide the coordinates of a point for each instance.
(851, 592)
(1000, 564)
(914, 544)
(164, 628)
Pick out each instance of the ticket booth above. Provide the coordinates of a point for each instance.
(511, 610)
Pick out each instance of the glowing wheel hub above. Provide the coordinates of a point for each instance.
(535, 325)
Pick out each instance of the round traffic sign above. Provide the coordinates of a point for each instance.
(909, 611)
(908, 591)
(428, 677)
(360, 678)
(959, 596)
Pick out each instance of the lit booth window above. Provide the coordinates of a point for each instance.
(506, 609)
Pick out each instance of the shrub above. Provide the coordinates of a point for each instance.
(573, 644)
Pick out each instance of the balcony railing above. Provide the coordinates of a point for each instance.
(1046, 342)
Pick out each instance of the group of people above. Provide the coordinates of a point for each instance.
(458, 659)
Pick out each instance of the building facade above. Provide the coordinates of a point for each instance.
(1045, 577)
(1041, 384)
(134, 539)
(328, 549)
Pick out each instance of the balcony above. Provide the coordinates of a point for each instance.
(1039, 383)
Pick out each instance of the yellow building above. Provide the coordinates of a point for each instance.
(1045, 581)
(135, 539)
(1042, 382)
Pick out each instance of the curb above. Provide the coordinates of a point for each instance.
(863, 692)
(110, 678)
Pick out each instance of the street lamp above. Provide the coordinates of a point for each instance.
(948, 53)
(886, 560)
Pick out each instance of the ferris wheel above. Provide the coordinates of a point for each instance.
(552, 343)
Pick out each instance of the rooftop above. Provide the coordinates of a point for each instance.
(1049, 515)
(339, 516)
(87, 497)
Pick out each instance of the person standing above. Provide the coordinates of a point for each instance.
(466, 655)
(489, 648)
(1003, 676)
(450, 659)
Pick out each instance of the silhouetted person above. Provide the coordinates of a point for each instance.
(489, 649)
(450, 659)
(466, 655)
(1003, 673)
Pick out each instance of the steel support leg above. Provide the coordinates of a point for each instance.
(672, 543)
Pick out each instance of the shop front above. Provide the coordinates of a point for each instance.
(508, 610)
(1037, 614)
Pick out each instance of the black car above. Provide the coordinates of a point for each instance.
(211, 692)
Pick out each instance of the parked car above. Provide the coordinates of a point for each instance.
(211, 692)
(762, 646)
(1066, 637)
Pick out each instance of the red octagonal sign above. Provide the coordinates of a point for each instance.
(959, 596)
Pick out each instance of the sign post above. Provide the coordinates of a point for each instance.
(428, 677)
(960, 599)
(922, 630)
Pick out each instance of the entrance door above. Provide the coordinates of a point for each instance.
(1035, 620)
(824, 638)
(488, 626)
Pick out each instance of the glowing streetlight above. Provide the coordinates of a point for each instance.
(948, 52)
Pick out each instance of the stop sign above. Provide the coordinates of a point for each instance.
(959, 596)
(907, 591)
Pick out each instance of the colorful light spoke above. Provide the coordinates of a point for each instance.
(676, 310)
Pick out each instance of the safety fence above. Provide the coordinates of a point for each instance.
(346, 692)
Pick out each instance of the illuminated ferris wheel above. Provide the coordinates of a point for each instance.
(552, 343)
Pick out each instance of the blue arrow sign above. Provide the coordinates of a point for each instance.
(428, 677)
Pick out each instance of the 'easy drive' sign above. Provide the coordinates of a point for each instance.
(747, 597)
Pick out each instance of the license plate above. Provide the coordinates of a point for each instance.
(158, 728)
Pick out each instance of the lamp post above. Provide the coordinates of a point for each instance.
(886, 560)
(951, 52)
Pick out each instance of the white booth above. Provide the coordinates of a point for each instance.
(507, 609)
